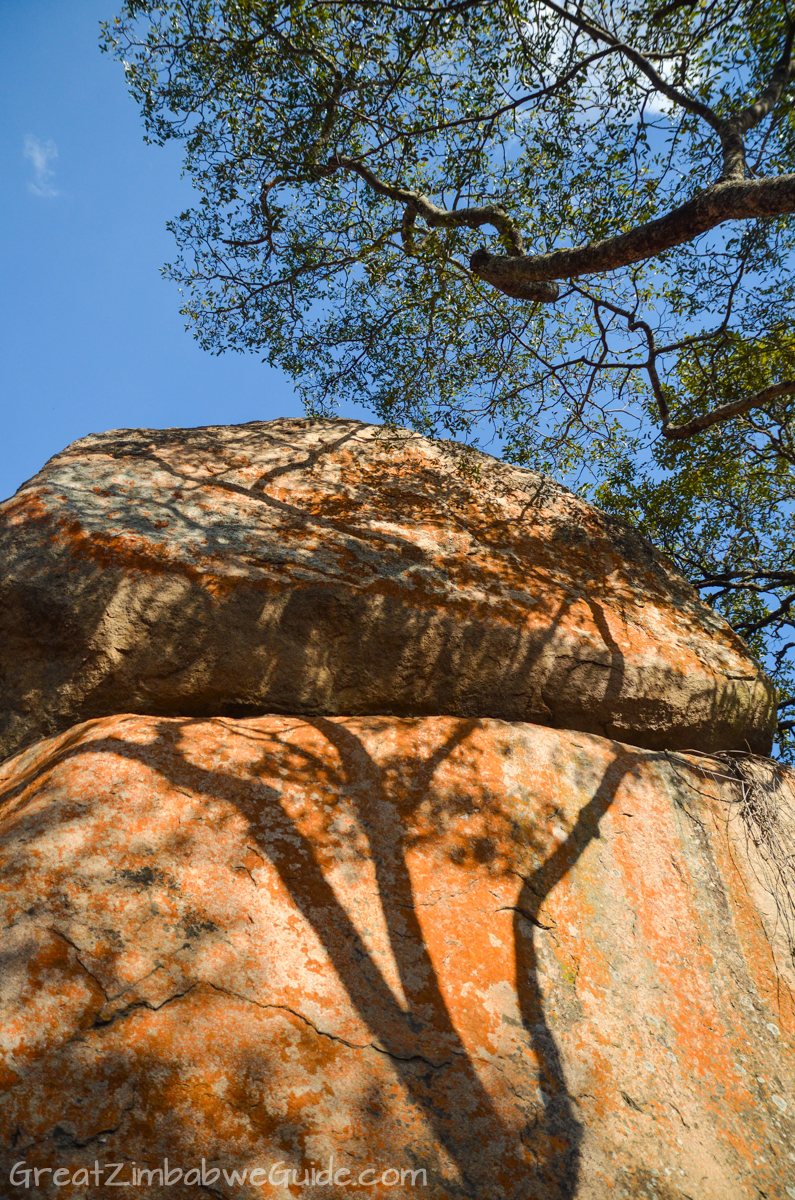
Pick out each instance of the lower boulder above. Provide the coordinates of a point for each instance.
(463, 958)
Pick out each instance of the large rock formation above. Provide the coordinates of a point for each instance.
(529, 963)
(523, 963)
(322, 568)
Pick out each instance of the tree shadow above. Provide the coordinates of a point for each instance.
(563, 1133)
(419, 1036)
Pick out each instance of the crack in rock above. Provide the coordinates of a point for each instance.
(65, 1140)
(333, 1036)
(102, 1023)
(78, 952)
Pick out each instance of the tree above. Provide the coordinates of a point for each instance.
(565, 222)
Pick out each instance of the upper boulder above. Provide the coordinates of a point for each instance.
(332, 567)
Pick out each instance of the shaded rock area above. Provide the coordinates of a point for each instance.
(532, 963)
(326, 568)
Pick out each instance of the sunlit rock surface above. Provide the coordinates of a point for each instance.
(321, 568)
(533, 963)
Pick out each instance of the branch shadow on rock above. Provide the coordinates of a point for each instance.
(447, 1092)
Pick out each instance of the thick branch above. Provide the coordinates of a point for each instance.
(473, 218)
(770, 619)
(727, 411)
(732, 201)
(733, 130)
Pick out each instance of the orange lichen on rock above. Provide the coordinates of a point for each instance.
(330, 568)
(529, 963)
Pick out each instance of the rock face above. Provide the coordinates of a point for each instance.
(317, 568)
(530, 963)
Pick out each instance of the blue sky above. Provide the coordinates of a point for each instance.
(90, 334)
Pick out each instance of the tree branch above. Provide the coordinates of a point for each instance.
(599, 34)
(716, 416)
(488, 117)
(473, 218)
(733, 129)
(532, 277)
(732, 201)
(755, 626)
(727, 411)
(415, 204)
(745, 580)
(670, 8)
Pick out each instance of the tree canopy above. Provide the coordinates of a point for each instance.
(564, 222)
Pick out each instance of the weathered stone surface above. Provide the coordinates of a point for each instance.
(536, 964)
(313, 568)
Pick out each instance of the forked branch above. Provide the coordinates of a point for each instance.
(415, 204)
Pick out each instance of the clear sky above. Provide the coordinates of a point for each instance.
(90, 334)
